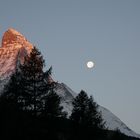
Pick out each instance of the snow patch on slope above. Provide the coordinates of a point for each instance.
(67, 96)
(113, 123)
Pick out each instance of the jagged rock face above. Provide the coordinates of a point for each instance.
(12, 38)
(14, 48)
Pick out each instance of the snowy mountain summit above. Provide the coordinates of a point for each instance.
(15, 47)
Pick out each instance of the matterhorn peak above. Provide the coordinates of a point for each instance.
(13, 31)
(15, 39)
(14, 47)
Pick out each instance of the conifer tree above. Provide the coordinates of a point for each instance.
(10, 105)
(33, 85)
(85, 111)
(47, 75)
(80, 105)
(12, 90)
(94, 117)
(52, 107)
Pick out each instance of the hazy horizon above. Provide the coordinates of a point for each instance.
(69, 33)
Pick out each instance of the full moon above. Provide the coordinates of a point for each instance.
(90, 64)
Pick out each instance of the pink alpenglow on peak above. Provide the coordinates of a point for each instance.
(13, 38)
(14, 47)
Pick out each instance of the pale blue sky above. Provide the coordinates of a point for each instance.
(71, 32)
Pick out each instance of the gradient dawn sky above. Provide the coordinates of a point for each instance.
(71, 32)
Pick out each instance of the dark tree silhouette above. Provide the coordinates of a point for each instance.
(33, 85)
(12, 90)
(85, 111)
(80, 105)
(94, 117)
(52, 107)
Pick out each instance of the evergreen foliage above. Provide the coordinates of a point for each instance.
(85, 111)
(33, 85)
(12, 91)
(52, 107)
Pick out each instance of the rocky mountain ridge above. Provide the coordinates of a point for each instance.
(14, 47)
